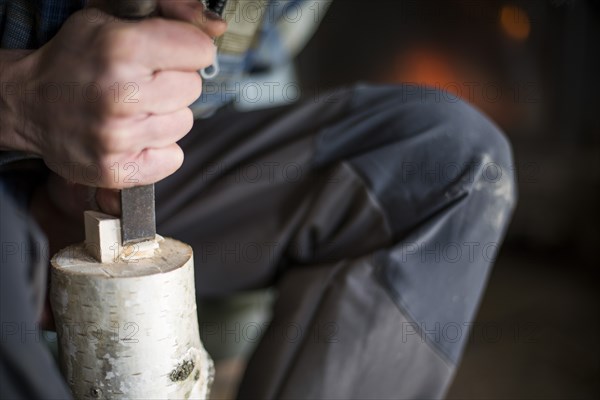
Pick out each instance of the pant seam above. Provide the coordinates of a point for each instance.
(371, 195)
(339, 266)
(397, 300)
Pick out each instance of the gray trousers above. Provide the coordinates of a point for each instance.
(376, 212)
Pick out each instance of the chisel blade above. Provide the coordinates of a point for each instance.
(138, 218)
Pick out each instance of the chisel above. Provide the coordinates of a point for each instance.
(138, 215)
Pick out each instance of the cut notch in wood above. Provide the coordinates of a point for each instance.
(103, 240)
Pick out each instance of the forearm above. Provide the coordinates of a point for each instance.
(13, 77)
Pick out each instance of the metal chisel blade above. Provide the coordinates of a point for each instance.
(138, 219)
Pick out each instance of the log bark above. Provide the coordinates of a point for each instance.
(129, 330)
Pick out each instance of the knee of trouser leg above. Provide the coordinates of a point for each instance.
(419, 109)
(483, 151)
(449, 137)
(488, 148)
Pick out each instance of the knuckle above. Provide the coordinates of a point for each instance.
(116, 46)
(115, 98)
(110, 140)
(204, 50)
(118, 40)
(108, 105)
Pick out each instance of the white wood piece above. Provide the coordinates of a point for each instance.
(129, 330)
(102, 236)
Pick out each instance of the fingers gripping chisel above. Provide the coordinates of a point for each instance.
(138, 216)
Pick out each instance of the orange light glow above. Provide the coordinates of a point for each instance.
(515, 22)
(428, 67)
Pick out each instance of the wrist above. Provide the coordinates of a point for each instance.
(15, 135)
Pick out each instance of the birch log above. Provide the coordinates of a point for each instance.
(129, 330)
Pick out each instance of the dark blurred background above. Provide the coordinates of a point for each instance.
(532, 67)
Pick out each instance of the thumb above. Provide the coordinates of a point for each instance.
(194, 12)
(109, 201)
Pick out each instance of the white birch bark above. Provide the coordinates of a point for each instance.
(129, 330)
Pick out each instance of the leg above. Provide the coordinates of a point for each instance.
(27, 370)
(382, 243)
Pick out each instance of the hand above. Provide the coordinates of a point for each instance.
(106, 100)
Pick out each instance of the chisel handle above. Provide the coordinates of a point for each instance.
(132, 9)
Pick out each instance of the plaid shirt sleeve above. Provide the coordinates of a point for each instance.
(29, 24)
